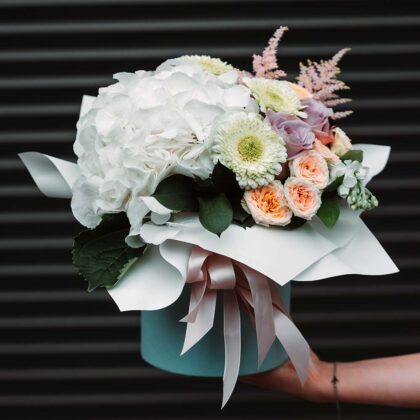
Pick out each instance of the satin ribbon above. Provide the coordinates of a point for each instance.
(259, 296)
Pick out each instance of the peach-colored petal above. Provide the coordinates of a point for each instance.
(303, 197)
(324, 138)
(341, 143)
(310, 165)
(325, 152)
(300, 91)
(268, 205)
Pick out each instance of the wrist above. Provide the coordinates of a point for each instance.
(321, 380)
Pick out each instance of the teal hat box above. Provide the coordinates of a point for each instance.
(162, 338)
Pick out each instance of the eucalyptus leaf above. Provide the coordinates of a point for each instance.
(225, 181)
(205, 187)
(239, 214)
(353, 154)
(177, 193)
(101, 254)
(215, 213)
(241, 217)
(248, 222)
(295, 223)
(329, 212)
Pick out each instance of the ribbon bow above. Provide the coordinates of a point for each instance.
(209, 272)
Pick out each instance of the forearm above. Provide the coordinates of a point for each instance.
(393, 381)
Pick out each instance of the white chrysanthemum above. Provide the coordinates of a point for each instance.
(146, 127)
(250, 148)
(276, 95)
(213, 65)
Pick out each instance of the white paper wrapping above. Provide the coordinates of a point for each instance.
(362, 255)
(54, 177)
(312, 252)
(309, 253)
(153, 282)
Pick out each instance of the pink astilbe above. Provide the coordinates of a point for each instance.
(265, 65)
(320, 79)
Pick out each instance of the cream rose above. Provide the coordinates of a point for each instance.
(311, 166)
(341, 143)
(325, 152)
(268, 205)
(303, 197)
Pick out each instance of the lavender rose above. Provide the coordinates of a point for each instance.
(318, 114)
(296, 134)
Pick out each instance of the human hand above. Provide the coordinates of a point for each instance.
(317, 387)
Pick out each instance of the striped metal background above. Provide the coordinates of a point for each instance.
(67, 354)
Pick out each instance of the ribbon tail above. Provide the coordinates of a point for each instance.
(294, 343)
(198, 290)
(203, 321)
(263, 311)
(232, 336)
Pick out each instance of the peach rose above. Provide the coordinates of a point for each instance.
(300, 91)
(311, 166)
(303, 197)
(325, 152)
(268, 205)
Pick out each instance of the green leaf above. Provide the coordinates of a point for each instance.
(335, 184)
(295, 223)
(177, 193)
(205, 187)
(353, 154)
(239, 214)
(101, 254)
(225, 181)
(215, 213)
(329, 212)
(241, 217)
(248, 222)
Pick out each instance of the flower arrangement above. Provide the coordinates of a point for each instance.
(232, 164)
(199, 135)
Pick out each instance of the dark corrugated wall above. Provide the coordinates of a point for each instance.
(67, 354)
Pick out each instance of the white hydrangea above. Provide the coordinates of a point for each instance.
(213, 65)
(146, 127)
